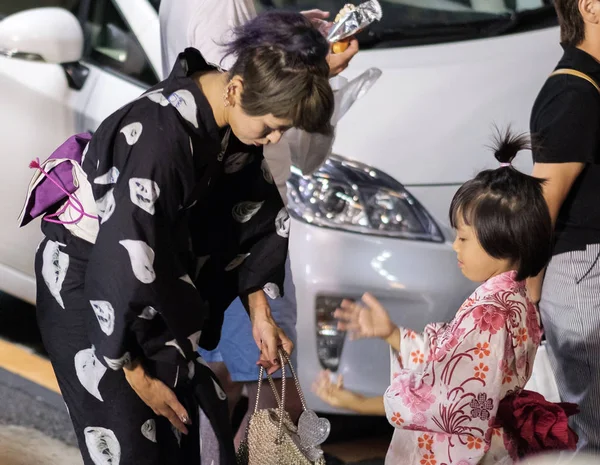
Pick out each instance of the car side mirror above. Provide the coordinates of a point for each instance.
(52, 35)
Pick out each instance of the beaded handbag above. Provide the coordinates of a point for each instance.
(271, 436)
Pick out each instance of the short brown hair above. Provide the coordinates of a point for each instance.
(572, 28)
(282, 59)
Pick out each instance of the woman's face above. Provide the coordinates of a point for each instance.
(252, 130)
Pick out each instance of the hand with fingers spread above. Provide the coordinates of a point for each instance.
(157, 396)
(269, 337)
(365, 320)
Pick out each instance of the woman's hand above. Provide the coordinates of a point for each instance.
(370, 320)
(268, 336)
(338, 62)
(157, 396)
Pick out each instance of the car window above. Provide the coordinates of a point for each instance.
(113, 45)
(8, 7)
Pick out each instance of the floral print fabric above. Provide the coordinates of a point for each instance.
(448, 381)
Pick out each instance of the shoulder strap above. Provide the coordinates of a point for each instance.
(578, 74)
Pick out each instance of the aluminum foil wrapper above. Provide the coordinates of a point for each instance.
(355, 21)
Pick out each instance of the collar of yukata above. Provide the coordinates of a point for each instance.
(504, 281)
(181, 92)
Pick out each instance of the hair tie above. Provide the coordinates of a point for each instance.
(504, 165)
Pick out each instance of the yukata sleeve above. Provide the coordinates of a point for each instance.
(459, 388)
(415, 348)
(136, 274)
(264, 233)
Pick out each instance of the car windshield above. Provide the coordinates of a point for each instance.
(433, 20)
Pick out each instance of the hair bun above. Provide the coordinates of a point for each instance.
(507, 144)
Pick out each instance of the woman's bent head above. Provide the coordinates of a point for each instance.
(279, 80)
(501, 218)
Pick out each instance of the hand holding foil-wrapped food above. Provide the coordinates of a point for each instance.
(350, 21)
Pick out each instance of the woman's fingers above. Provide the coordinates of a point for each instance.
(285, 342)
(170, 415)
(173, 403)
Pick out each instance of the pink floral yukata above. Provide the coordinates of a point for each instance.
(448, 381)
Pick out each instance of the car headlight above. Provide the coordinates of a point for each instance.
(354, 197)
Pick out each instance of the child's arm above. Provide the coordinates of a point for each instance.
(336, 396)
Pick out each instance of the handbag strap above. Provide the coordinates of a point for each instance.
(579, 74)
(285, 360)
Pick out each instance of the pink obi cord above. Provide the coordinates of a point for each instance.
(73, 202)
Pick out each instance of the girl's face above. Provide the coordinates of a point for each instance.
(252, 130)
(473, 260)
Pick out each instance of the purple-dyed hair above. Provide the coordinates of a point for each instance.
(282, 58)
(292, 32)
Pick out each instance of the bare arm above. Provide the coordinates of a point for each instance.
(559, 180)
(337, 396)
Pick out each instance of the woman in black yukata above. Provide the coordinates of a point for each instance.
(189, 218)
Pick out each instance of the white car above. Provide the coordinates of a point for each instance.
(374, 217)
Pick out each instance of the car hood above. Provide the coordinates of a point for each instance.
(429, 118)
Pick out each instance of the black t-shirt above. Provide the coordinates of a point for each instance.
(565, 127)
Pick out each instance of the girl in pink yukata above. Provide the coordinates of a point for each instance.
(448, 382)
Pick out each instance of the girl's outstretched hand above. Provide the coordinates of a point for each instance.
(368, 319)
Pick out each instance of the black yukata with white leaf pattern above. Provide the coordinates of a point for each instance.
(187, 224)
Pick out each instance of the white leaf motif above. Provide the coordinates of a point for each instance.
(149, 430)
(132, 132)
(144, 193)
(173, 343)
(236, 161)
(191, 370)
(177, 434)
(89, 371)
(118, 363)
(110, 177)
(237, 261)
(84, 153)
(148, 313)
(186, 279)
(157, 97)
(195, 340)
(105, 313)
(142, 260)
(245, 211)
(220, 393)
(54, 269)
(282, 223)
(106, 206)
(185, 104)
(102, 445)
(272, 290)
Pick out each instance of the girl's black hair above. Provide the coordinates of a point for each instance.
(507, 210)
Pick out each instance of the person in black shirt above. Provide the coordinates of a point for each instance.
(565, 126)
